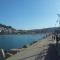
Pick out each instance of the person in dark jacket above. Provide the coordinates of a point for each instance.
(57, 39)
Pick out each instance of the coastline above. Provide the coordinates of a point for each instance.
(33, 49)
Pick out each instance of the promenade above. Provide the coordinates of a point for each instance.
(41, 50)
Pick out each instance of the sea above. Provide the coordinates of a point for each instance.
(18, 41)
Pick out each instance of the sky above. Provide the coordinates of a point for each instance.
(29, 14)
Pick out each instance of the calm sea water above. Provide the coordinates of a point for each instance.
(18, 41)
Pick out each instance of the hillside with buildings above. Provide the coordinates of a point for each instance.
(6, 29)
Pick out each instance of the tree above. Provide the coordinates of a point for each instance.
(2, 32)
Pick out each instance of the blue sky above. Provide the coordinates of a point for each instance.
(29, 14)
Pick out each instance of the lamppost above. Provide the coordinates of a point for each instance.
(58, 20)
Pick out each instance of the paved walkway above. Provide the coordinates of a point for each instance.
(38, 49)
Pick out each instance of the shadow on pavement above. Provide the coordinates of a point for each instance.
(51, 53)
